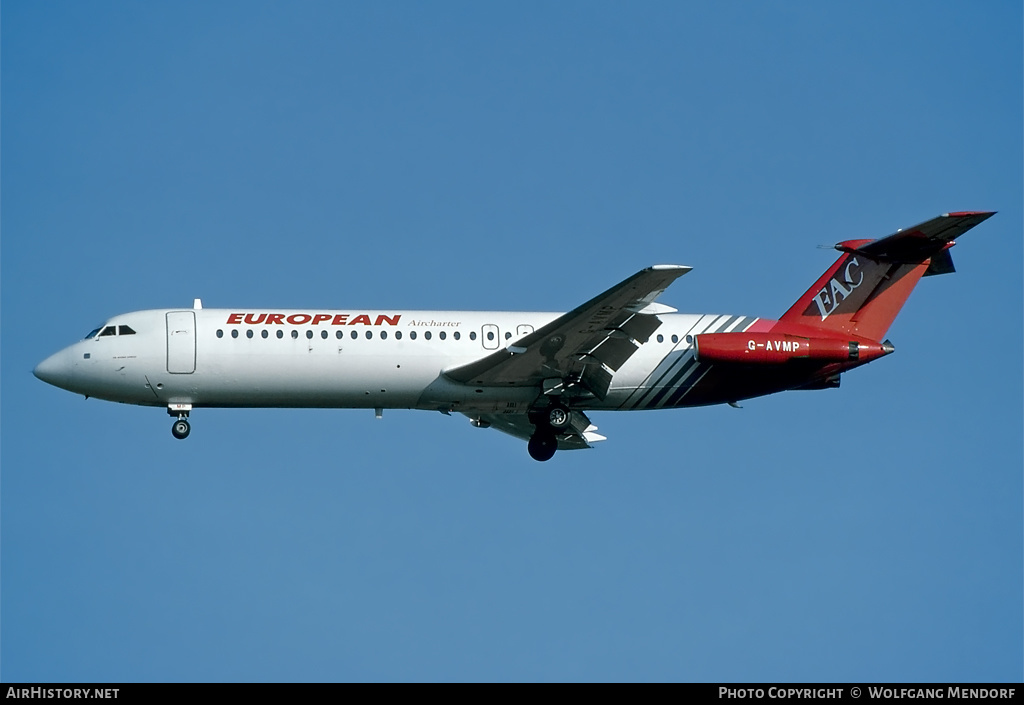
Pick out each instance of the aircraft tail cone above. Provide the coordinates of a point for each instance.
(871, 351)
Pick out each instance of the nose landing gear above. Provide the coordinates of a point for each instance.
(180, 428)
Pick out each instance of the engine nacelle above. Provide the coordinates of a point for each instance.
(778, 348)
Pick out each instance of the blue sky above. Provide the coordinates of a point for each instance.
(519, 156)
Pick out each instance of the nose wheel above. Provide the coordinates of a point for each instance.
(181, 427)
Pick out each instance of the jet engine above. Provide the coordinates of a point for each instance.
(778, 348)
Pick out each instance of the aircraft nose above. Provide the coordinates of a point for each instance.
(56, 370)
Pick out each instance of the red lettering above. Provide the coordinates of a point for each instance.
(297, 319)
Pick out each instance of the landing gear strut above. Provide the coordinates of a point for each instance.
(180, 428)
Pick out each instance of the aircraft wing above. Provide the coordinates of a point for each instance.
(587, 344)
(580, 433)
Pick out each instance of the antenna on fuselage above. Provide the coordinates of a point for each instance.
(197, 304)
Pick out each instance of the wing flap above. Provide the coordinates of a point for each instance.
(641, 326)
(597, 380)
(612, 352)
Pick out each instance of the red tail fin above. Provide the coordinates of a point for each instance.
(864, 290)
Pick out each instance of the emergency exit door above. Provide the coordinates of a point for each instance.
(181, 342)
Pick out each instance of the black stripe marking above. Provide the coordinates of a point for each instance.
(662, 369)
(648, 389)
(682, 377)
(662, 391)
(683, 390)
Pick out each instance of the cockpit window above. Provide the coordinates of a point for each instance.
(125, 330)
(109, 330)
(92, 333)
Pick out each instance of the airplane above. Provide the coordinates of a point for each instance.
(531, 375)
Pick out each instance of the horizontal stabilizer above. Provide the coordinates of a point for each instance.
(916, 244)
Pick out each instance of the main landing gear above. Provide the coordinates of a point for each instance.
(180, 428)
(548, 422)
(542, 445)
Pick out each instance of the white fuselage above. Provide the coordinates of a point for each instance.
(339, 359)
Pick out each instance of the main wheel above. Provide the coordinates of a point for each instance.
(558, 417)
(542, 446)
(180, 429)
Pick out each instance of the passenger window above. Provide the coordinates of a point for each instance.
(354, 335)
(675, 338)
(508, 336)
(661, 338)
(280, 334)
(472, 335)
(398, 335)
(220, 333)
(426, 336)
(295, 335)
(490, 335)
(456, 335)
(323, 334)
(265, 333)
(109, 330)
(339, 335)
(125, 330)
(369, 334)
(309, 334)
(412, 335)
(234, 333)
(442, 335)
(248, 333)
(383, 335)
